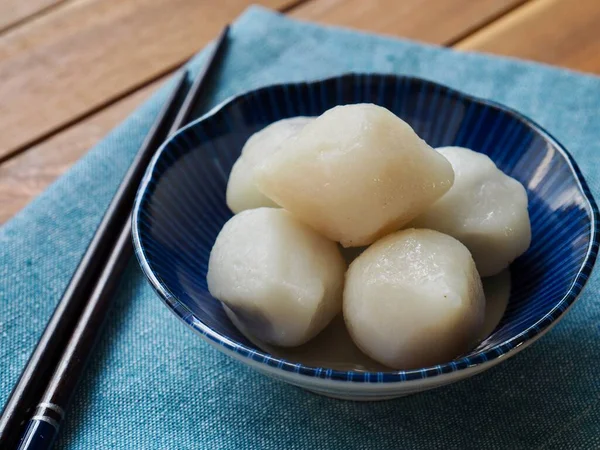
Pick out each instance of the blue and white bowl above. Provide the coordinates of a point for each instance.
(181, 208)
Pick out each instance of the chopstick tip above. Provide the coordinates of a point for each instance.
(224, 32)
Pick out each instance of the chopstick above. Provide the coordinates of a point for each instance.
(50, 346)
(78, 314)
(198, 88)
(44, 425)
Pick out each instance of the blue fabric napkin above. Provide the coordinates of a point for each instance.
(152, 384)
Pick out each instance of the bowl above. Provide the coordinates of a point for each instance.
(180, 209)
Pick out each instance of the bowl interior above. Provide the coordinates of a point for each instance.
(181, 206)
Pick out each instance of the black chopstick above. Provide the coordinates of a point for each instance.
(198, 88)
(43, 426)
(108, 266)
(42, 362)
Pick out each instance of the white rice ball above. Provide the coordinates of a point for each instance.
(414, 299)
(242, 193)
(279, 277)
(485, 209)
(355, 173)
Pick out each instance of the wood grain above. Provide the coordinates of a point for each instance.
(90, 52)
(558, 32)
(550, 31)
(434, 21)
(15, 11)
(28, 174)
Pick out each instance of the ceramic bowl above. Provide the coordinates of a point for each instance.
(180, 209)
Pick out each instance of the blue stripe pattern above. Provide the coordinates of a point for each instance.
(181, 206)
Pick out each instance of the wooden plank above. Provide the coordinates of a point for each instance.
(28, 174)
(524, 32)
(15, 11)
(90, 52)
(558, 32)
(434, 21)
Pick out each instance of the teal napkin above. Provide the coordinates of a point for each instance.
(152, 384)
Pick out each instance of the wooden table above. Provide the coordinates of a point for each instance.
(70, 70)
